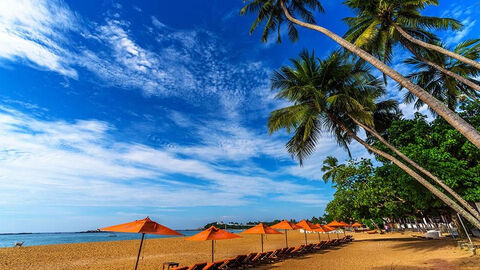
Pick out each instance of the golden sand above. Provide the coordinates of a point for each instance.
(390, 251)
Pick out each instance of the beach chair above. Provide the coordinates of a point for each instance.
(249, 257)
(275, 256)
(256, 260)
(297, 251)
(197, 266)
(265, 257)
(233, 263)
(281, 253)
(287, 252)
(213, 265)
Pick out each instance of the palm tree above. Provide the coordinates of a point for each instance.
(328, 96)
(330, 168)
(270, 12)
(442, 86)
(380, 24)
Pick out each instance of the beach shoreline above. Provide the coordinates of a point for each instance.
(389, 249)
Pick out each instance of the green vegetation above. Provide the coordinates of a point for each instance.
(364, 191)
(339, 95)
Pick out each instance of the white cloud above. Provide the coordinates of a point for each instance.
(33, 31)
(57, 163)
(464, 15)
(456, 37)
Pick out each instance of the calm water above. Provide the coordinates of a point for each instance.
(36, 239)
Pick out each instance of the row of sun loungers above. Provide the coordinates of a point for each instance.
(255, 259)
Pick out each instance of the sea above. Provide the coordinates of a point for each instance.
(36, 239)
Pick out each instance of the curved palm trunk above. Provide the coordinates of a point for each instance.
(464, 203)
(441, 109)
(439, 49)
(445, 71)
(447, 200)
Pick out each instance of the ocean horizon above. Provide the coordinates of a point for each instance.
(53, 238)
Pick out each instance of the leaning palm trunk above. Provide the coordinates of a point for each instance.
(439, 49)
(464, 203)
(445, 71)
(447, 200)
(441, 109)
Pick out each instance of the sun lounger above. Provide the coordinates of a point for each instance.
(297, 251)
(372, 232)
(233, 263)
(281, 253)
(197, 266)
(213, 265)
(249, 258)
(256, 260)
(275, 256)
(320, 245)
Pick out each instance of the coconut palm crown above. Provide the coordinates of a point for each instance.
(324, 93)
(373, 26)
(271, 14)
(441, 86)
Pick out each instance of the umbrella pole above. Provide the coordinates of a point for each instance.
(261, 237)
(328, 234)
(139, 250)
(319, 237)
(212, 249)
(305, 231)
(286, 239)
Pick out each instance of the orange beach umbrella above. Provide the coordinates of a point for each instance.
(344, 224)
(142, 226)
(327, 229)
(261, 229)
(321, 229)
(212, 234)
(356, 224)
(285, 225)
(335, 224)
(306, 226)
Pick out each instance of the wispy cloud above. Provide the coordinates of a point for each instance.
(465, 15)
(33, 31)
(79, 163)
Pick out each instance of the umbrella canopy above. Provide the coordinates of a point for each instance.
(212, 234)
(286, 225)
(261, 229)
(320, 229)
(145, 225)
(356, 224)
(142, 226)
(335, 224)
(306, 226)
(344, 224)
(328, 228)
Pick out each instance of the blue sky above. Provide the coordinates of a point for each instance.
(114, 110)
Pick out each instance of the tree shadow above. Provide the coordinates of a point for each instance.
(469, 263)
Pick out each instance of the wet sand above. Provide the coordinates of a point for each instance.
(390, 251)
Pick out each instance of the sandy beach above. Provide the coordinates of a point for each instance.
(390, 251)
